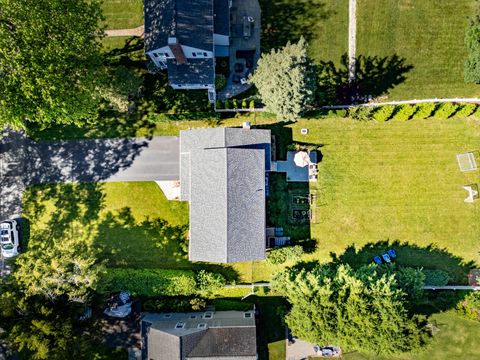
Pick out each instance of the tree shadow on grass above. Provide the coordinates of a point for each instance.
(288, 20)
(409, 255)
(150, 243)
(375, 76)
(66, 204)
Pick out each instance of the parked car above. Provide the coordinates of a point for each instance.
(9, 238)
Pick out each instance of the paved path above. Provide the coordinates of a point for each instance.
(138, 31)
(352, 38)
(25, 162)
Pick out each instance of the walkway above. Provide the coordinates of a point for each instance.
(25, 162)
(352, 38)
(138, 31)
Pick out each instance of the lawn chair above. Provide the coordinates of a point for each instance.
(472, 190)
(386, 258)
(392, 253)
(377, 260)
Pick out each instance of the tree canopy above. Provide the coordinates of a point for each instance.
(285, 80)
(50, 61)
(363, 309)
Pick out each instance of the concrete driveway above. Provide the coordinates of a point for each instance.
(24, 162)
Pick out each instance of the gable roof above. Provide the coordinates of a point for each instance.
(195, 71)
(223, 177)
(226, 342)
(191, 22)
(226, 334)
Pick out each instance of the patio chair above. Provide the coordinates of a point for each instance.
(377, 260)
(472, 190)
(392, 253)
(386, 258)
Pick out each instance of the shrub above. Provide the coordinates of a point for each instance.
(235, 103)
(403, 112)
(445, 110)
(283, 254)
(424, 110)
(218, 104)
(361, 113)
(466, 110)
(149, 282)
(220, 81)
(252, 104)
(383, 113)
(337, 113)
(198, 304)
(227, 104)
(469, 307)
(244, 104)
(436, 277)
(209, 282)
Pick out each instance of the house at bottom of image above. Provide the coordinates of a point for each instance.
(212, 335)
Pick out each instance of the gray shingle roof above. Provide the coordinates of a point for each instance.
(221, 18)
(159, 23)
(195, 71)
(223, 177)
(190, 21)
(227, 333)
(226, 342)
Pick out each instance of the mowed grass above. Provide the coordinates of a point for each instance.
(123, 14)
(456, 339)
(394, 181)
(133, 225)
(429, 35)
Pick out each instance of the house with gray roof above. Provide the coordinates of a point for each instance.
(209, 335)
(183, 37)
(222, 176)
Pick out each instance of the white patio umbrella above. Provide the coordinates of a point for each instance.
(301, 159)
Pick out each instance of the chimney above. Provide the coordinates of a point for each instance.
(177, 50)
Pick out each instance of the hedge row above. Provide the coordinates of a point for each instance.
(235, 104)
(406, 112)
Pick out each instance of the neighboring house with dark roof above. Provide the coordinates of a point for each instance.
(184, 37)
(209, 335)
(222, 175)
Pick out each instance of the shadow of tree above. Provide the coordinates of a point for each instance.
(287, 20)
(150, 243)
(67, 204)
(282, 137)
(78, 160)
(409, 255)
(375, 75)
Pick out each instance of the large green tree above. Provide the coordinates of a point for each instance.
(61, 267)
(286, 81)
(50, 61)
(362, 310)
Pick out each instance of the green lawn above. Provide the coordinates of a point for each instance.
(324, 23)
(394, 181)
(456, 339)
(429, 35)
(123, 14)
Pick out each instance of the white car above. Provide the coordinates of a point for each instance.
(9, 239)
